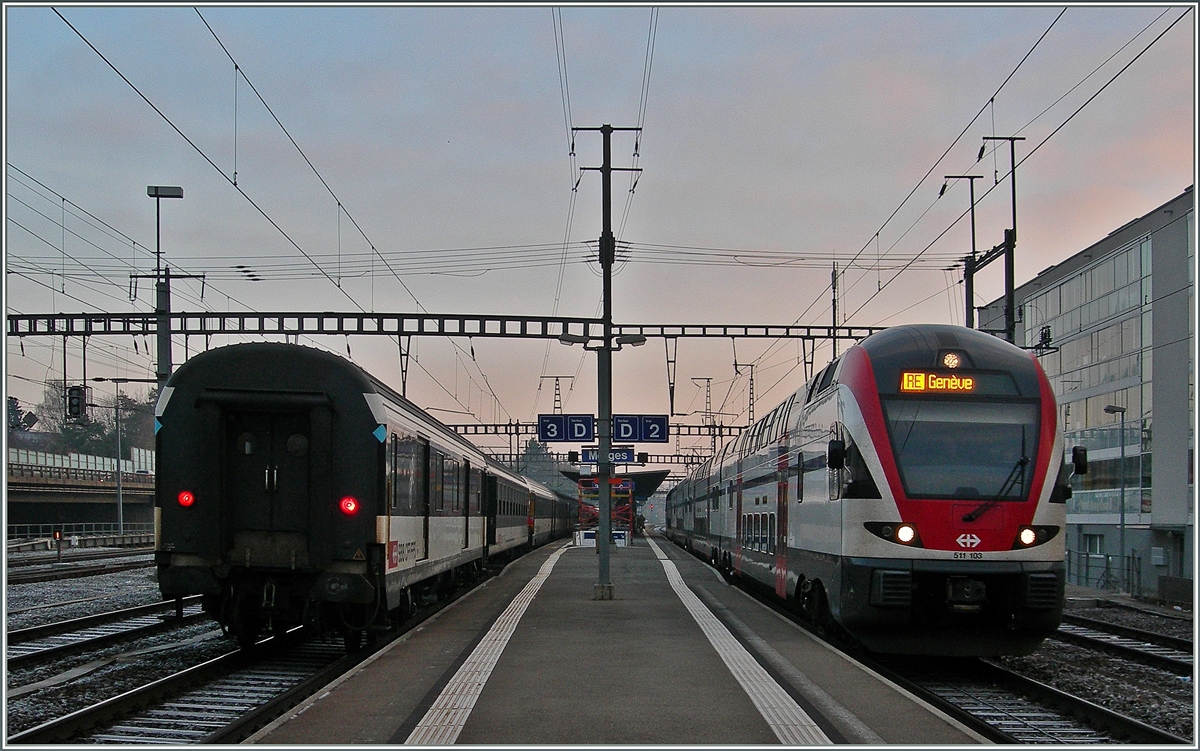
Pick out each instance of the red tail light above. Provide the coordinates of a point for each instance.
(186, 498)
(349, 505)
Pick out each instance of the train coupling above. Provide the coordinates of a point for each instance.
(965, 595)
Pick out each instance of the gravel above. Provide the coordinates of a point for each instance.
(1156, 697)
(1180, 626)
(36, 604)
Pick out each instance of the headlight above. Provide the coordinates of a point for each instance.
(1027, 537)
(901, 533)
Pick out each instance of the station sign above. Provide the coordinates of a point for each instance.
(581, 428)
(641, 428)
(617, 455)
(561, 428)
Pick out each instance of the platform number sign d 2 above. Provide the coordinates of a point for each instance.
(640, 428)
(557, 428)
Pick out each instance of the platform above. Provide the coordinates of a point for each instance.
(677, 657)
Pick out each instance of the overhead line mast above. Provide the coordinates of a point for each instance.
(607, 248)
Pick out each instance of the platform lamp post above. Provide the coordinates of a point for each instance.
(607, 250)
(1113, 409)
(117, 410)
(162, 284)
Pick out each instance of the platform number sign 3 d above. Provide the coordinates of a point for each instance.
(559, 428)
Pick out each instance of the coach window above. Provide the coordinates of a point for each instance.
(771, 534)
(857, 477)
(437, 477)
(245, 444)
(474, 498)
(408, 487)
(799, 475)
(451, 482)
(827, 376)
(393, 494)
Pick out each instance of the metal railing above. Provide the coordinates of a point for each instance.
(1108, 501)
(39, 471)
(1102, 571)
(40, 531)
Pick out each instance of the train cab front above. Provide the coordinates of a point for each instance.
(965, 553)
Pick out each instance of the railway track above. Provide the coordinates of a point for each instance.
(223, 700)
(69, 571)
(41, 559)
(1010, 708)
(1161, 651)
(38, 644)
(1000, 704)
(193, 704)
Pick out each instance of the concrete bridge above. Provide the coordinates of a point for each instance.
(73, 495)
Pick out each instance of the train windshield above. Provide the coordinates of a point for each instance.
(963, 449)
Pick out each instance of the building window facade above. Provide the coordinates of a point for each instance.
(1100, 319)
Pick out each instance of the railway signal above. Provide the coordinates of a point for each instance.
(76, 401)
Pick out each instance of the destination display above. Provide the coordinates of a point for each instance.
(924, 382)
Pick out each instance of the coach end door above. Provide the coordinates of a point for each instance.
(267, 490)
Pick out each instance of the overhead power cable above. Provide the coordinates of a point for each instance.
(949, 148)
(647, 69)
(341, 207)
(1035, 149)
(828, 287)
(216, 167)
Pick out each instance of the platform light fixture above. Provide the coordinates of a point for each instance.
(570, 339)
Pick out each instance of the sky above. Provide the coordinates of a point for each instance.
(775, 142)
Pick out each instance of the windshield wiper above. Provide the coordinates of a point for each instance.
(1018, 470)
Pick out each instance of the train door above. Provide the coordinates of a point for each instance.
(740, 521)
(467, 491)
(779, 543)
(423, 498)
(530, 515)
(490, 492)
(267, 489)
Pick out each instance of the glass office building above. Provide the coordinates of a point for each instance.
(1113, 327)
